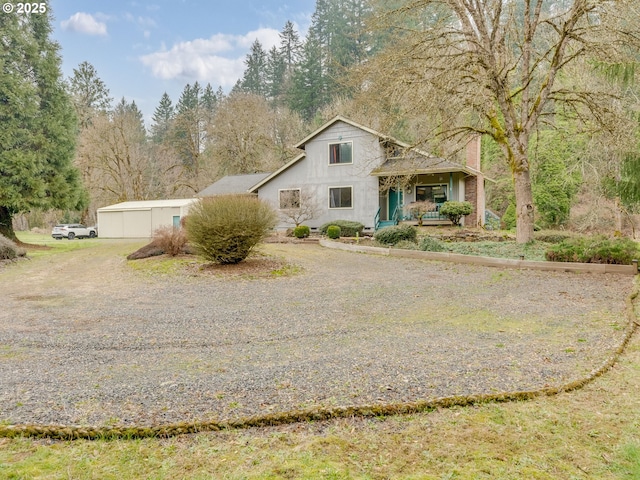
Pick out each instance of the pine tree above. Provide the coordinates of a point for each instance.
(209, 102)
(275, 75)
(308, 92)
(188, 129)
(162, 119)
(89, 93)
(290, 46)
(254, 80)
(37, 138)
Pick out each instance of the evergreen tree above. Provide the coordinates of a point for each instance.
(162, 119)
(131, 110)
(290, 46)
(309, 91)
(37, 138)
(89, 93)
(209, 104)
(188, 128)
(254, 78)
(275, 75)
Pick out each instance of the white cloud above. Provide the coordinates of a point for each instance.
(84, 23)
(218, 60)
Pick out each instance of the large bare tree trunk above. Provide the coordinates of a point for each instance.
(524, 206)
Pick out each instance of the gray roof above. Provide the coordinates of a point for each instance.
(233, 184)
(414, 164)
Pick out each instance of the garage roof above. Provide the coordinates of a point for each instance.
(148, 204)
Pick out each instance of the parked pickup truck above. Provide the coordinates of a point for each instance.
(73, 230)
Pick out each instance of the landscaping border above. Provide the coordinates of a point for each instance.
(486, 261)
(66, 432)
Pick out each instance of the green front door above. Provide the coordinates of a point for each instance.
(395, 201)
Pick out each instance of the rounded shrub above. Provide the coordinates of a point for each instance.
(301, 231)
(430, 244)
(225, 228)
(348, 228)
(334, 231)
(396, 233)
(456, 210)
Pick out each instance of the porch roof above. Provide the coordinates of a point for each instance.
(419, 164)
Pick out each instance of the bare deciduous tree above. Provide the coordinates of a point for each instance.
(248, 136)
(503, 68)
(297, 206)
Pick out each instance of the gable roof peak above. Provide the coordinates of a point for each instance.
(340, 118)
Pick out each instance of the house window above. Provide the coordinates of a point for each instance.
(340, 197)
(432, 193)
(340, 153)
(289, 199)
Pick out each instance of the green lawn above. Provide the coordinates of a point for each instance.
(52, 245)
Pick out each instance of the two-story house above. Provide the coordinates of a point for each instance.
(351, 172)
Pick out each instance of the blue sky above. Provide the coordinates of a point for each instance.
(141, 49)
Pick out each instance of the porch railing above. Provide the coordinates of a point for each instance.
(376, 220)
(396, 214)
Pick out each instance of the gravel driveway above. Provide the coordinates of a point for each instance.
(85, 339)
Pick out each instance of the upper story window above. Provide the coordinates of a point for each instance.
(340, 153)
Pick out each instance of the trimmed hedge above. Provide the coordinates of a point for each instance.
(396, 233)
(301, 231)
(348, 228)
(333, 232)
(596, 249)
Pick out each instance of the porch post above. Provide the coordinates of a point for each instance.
(450, 196)
(399, 192)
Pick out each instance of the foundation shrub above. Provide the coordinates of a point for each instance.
(430, 244)
(348, 228)
(334, 232)
(225, 228)
(406, 245)
(396, 233)
(596, 249)
(301, 231)
(456, 210)
(9, 250)
(171, 240)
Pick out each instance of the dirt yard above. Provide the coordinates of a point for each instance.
(86, 338)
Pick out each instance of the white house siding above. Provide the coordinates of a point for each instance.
(314, 176)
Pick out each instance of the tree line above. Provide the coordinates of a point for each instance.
(548, 84)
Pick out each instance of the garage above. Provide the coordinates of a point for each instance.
(139, 219)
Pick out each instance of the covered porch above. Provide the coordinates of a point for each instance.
(405, 180)
(397, 196)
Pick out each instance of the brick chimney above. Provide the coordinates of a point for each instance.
(474, 184)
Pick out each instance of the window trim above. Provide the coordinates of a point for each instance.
(446, 189)
(339, 142)
(280, 190)
(329, 197)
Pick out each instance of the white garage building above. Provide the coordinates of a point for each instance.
(139, 219)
